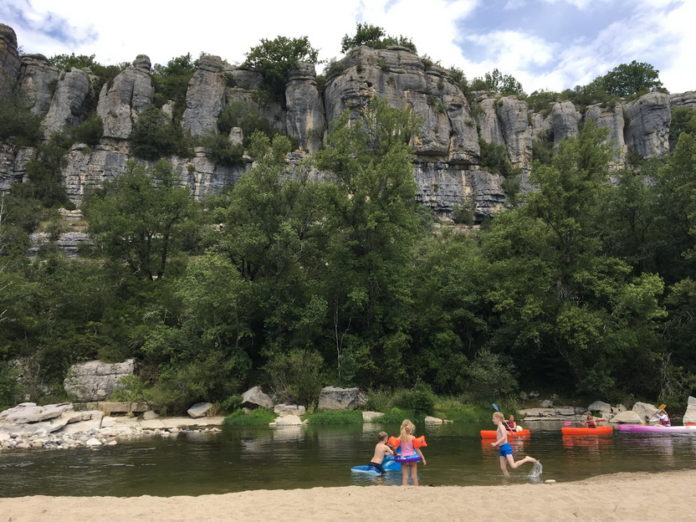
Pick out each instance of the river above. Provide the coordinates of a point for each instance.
(241, 459)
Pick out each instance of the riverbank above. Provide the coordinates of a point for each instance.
(665, 496)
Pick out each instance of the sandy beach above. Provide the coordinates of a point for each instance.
(626, 496)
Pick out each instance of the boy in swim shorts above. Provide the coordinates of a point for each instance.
(381, 449)
(504, 448)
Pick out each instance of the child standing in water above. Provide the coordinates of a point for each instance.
(381, 450)
(504, 449)
(410, 455)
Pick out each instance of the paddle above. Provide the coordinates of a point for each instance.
(495, 407)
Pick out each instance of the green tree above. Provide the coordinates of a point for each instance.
(505, 84)
(568, 305)
(155, 136)
(274, 59)
(629, 79)
(373, 225)
(171, 82)
(375, 37)
(142, 218)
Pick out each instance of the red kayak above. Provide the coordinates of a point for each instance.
(599, 430)
(492, 434)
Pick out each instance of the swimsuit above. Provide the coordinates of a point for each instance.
(408, 454)
(504, 450)
(378, 467)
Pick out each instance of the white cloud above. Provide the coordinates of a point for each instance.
(165, 29)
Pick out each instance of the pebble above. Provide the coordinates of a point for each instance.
(549, 481)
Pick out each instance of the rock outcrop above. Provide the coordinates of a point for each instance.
(96, 380)
(517, 133)
(332, 398)
(205, 97)
(564, 121)
(647, 124)
(122, 100)
(690, 413)
(68, 105)
(200, 409)
(37, 81)
(9, 59)
(305, 119)
(612, 119)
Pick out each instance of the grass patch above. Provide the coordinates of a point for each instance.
(335, 417)
(458, 411)
(397, 415)
(258, 417)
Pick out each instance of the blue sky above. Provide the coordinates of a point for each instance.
(546, 44)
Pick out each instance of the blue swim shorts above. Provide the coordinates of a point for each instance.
(504, 450)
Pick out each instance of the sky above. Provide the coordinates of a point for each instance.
(545, 44)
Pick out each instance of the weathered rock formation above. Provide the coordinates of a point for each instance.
(256, 398)
(333, 398)
(38, 80)
(68, 105)
(96, 380)
(122, 100)
(9, 59)
(447, 163)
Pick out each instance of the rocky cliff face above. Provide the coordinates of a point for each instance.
(447, 148)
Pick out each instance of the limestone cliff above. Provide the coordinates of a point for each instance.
(447, 147)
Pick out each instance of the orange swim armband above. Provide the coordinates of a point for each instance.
(419, 442)
(394, 442)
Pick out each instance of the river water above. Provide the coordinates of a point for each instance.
(242, 459)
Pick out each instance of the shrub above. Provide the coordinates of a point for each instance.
(245, 115)
(490, 376)
(258, 417)
(375, 37)
(396, 416)
(10, 389)
(171, 82)
(232, 403)
(154, 136)
(297, 376)
(133, 389)
(88, 132)
(494, 156)
(18, 125)
(379, 400)
(335, 417)
(221, 151)
(419, 401)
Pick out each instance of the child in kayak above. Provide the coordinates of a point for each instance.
(510, 424)
(590, 421)
(504, 449)
(381, 450)
(663, 418)
(410, 456)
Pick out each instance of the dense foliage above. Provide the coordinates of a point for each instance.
(583, 286)
(375, 37)
(274, 59)
(495, 81)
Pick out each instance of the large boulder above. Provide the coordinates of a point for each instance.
(372, 416)
(332, 398)
(289, 409)
(644, 410)
(255, 398)
(690, 413)
(200, 409)
(286, 420)
(96, 380)
(122, 100)
(626, 417)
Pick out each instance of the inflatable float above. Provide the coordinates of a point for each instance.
(388, 464)
(599, 430)
(492, 434)
(655, 430)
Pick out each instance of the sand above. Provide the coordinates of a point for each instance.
(626, 496)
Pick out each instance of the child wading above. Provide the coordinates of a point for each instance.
(504, 449)
(381, 450)
(410, 455)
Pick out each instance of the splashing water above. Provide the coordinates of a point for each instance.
(537, 470)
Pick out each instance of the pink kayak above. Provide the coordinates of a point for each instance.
(661, 430)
